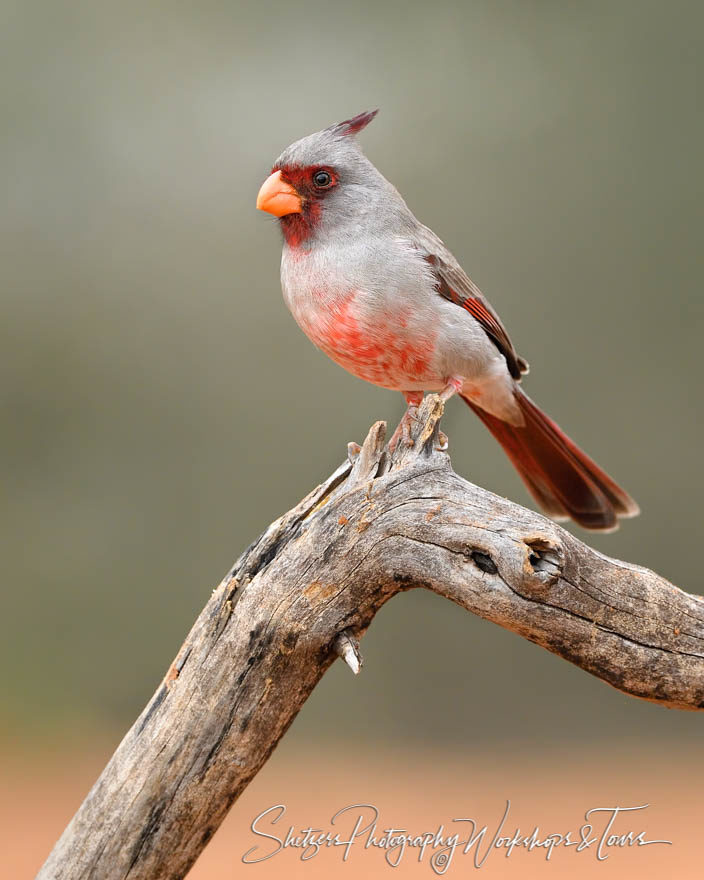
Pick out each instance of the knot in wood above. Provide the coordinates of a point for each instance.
(543, 563)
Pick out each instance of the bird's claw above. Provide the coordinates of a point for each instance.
(403, 431)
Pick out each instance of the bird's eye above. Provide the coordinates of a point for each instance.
(322, 179)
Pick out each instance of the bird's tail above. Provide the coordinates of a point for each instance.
(563, 480)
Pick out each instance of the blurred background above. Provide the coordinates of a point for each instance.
(160, 406)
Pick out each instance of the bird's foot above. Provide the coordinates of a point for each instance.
(443, 442)
(402, 434)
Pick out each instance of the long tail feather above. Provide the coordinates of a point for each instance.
(561, 477)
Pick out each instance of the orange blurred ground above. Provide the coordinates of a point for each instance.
(414, 789)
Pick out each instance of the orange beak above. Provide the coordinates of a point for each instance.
(278, 197)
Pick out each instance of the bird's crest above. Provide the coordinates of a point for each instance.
(351, 127)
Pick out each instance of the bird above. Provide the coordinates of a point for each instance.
(380, 294)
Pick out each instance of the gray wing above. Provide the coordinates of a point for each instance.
(453, 284)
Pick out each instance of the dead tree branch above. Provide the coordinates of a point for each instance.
(306, 591)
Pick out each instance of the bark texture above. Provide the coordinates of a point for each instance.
(307, 590)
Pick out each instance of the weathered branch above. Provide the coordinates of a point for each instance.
(307, 590)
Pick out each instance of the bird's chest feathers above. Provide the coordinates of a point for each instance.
(374, 335)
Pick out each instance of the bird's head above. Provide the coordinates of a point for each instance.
(322, 181)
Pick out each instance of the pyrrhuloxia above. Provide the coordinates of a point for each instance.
(382, 296)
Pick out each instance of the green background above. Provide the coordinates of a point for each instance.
(160, 407)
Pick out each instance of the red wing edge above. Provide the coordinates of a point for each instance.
(491, 324)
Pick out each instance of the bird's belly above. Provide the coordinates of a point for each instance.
(383, 346)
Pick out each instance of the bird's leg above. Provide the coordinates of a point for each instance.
(403, 431)
(454, 384)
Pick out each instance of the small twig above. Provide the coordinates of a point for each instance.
(347, 647)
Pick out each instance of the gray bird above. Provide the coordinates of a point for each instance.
(380, 293)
